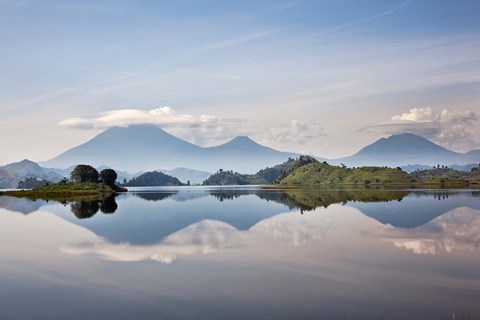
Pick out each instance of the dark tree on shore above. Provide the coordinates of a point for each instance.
(84, 173)
(108, 176)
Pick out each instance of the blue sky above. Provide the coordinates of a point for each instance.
(320, 77)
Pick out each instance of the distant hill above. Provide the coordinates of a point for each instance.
(13, 173)
(445, 173)
(415, 167)
(152, 179)
(407, 149)
(264, 176)
(144, 147)
(225, 178)
(31, 183)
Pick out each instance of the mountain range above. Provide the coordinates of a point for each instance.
(144, 148)
(147, 148)
(136, 149)
(13, 173)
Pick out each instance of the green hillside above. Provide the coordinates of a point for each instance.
(269, 175)
(317, 174)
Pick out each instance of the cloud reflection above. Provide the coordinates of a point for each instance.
(209, 236)
(204, 237)
(458, 230)
(296, 229)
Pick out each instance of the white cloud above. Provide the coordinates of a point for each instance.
(164, 116)
(458, 130)
(205, 130)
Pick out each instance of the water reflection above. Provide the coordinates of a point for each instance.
(173, 215)
(204, 237)
(381, 251)
(154, 196)
(84, 209)
(21, 205)
(420, 207)
(457, 230)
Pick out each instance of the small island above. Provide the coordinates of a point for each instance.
(85, 182)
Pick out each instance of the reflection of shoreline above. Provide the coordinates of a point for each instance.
(163, 229)
(302, 199)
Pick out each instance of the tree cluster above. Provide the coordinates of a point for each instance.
(85, 173)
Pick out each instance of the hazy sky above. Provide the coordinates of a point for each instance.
(320, 77)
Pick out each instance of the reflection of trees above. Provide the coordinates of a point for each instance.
(309, 199)
(227, 195)
(155, 196)
(109, 205)
(84, 209)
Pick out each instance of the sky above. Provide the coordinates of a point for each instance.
(317, 77)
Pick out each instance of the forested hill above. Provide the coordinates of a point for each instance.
(153, 178)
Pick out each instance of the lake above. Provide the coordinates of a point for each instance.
(243, 253)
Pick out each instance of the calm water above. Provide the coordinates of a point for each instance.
(197, 253)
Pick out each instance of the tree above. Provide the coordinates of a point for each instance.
(108, 176)
(84, 173)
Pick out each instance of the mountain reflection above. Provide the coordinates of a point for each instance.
(458, 230)
(162, 225)
(200, 238)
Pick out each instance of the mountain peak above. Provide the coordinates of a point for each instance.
(404, 143)
(135, 130)
(404, 149)
(23, 164)
(147, 147)
(406, 136)
(241, 140)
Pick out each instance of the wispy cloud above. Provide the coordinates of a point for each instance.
(363, 20)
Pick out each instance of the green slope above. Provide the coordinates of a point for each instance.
(318, 174)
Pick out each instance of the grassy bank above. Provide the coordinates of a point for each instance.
(66, 190)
